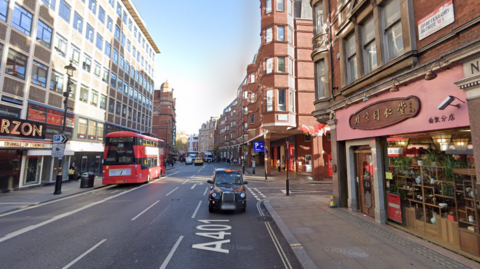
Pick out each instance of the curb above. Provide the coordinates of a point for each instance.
(297, 248)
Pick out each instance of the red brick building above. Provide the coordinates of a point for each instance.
(164, 117)
(398, 82)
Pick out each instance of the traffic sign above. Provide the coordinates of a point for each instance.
(60, 138)
(58, 150)
(258, 146)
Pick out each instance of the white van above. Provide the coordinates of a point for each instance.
(190, 157)
(208, 157)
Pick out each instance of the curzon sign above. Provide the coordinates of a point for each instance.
(21, 128)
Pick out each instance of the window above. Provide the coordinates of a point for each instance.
(291, 68)
(92, 5)
(281, 100)
(82, 127)
(135, 95)
(393, 30)
(61, 45)
(268, 6)
(56, 82)
(77, 22)
(73, 89)
(136, 75)
(117, 33)
(280, 5)
(128, 45)
(16, 64)
(97, 69)
(369, 46)
(280, 33)
(64, 11)
(84, 94)
(122, 62)
(120, 85)
(320, 78)
(351, 59)
(89, 33)
(109, 24)
(127, 67)
(103, 102)
(112, 2)
(94, 99)
(22, 20)
(108, 49)
(48, 3)
(118, 111)
(115, 56)
(124, 17)
(39, 74)
(113, 80)
(92, 129)
(119, 10)
(75, 55)
(130, 24)
(111, 105)
(290, 36)
(44, 34)
(100, 128)
(125, 88)
(252, 118)
(4, 8)
(124, 110)
(291, 101)
(281, 64)
(123, 40)
(134, 52)
(99, 43)
(318, 19)
(105, 75)
(269, 100)
(135, 31)
(252, 97)
(87, 62)
(268, 35)
(269, 66)
(132, 71)
(101, 15)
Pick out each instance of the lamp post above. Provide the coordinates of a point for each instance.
(70, 69)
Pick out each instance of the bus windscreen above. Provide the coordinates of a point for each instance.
(120, 150)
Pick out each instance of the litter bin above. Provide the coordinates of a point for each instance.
(87, 180)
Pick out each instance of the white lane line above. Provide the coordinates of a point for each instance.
(145, 210)
(253, 193)
(193, 186)
(167, 260)
(172, 191)
(198, 206)
(205, 191)
(84, 254)
(185, 181)
(259, 192)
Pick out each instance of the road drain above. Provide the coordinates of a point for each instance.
(264, 218)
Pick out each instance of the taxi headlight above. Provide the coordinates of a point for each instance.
(214, 194)
(242, 195)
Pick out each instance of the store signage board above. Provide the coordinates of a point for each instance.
(436, 20)
(258, 146)
(394, 209)
(385, 113)
(21, 128)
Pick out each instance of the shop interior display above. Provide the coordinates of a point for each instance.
(438, 193)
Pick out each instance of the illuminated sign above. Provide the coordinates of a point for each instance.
(19, 144)
(21, 128)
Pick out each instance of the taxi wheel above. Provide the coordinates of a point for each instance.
(210, 208)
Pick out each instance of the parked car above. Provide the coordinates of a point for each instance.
(189, 160)
(228, 191)
(198, 160)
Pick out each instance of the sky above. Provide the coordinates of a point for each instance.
(205, 49)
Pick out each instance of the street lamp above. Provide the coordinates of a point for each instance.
(70, 69)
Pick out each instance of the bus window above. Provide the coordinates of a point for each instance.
(120, 150)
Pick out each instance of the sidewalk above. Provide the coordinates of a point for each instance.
(35, 195)
(324, 237)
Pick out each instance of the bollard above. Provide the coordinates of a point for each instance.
(288, 187)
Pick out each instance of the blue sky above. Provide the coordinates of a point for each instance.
(205, 49)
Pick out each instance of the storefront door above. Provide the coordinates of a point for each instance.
(33, 170)
(365, 182)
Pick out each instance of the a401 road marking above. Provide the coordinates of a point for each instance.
(215, 231)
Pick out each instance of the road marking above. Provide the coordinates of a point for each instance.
(253, 193)
(198, 206)
(260, 193)
(193, 186)
(145, 210)
(205, 191)
(172, 191)
(167, 260)
(185, 181)
(84, 254)
(279, 248)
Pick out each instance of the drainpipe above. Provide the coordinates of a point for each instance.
(331, 46)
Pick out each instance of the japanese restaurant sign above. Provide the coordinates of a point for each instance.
(385, 113)
(436, 20)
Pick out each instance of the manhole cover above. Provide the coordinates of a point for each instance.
(264, 218)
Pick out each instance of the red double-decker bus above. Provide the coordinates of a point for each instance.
(132, 158)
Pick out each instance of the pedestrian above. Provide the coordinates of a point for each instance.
(72, 171)
(278, 165)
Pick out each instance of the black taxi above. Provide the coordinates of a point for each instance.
(227, 191)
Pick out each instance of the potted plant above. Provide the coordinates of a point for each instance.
(431, 157)
(419, 160)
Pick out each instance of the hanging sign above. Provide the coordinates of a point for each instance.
(385, 113)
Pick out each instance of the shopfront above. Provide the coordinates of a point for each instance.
(410, 161)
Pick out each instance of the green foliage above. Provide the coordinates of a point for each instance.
(431, 156)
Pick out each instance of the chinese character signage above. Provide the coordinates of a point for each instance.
(385, 113)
